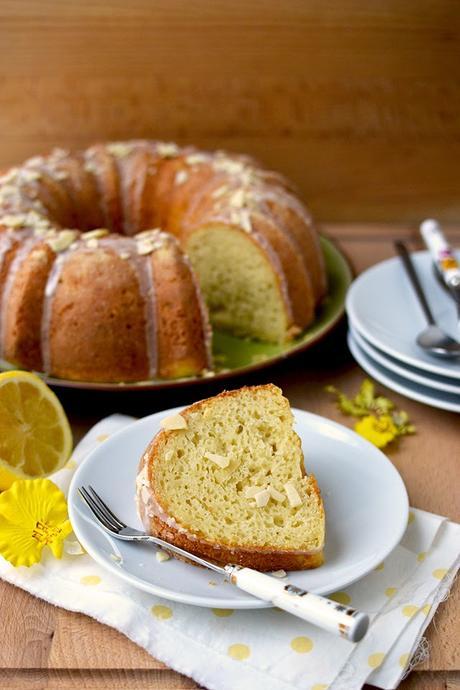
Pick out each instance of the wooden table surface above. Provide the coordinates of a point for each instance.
(357, 102)
(45, 647)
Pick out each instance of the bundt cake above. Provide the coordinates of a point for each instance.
(105, 253)
(225, 479)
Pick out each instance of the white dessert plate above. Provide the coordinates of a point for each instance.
(412, 390)
(439, 383)
(365, 499)
(382, 306)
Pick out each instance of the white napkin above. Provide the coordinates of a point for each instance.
(243, 650)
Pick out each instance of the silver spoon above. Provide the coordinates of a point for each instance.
(432, 339)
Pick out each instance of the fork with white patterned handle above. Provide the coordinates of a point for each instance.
(320, 611)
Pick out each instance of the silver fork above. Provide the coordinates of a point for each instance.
(320, 611)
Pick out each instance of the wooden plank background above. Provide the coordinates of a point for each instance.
(357, 101)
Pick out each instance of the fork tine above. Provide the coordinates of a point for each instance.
(98, 514)
(105, 508)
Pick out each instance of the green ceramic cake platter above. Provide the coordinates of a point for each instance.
(235, 356)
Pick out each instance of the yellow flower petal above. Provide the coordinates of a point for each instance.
(33, 514)
(378, 430)
(57, 545)
(17, 547)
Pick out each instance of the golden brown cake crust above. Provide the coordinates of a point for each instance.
(257, 558)
(126, 188)
(263, 559)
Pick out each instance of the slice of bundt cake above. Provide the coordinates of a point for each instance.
(225, 479)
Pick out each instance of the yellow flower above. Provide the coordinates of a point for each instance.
(33, 514)
(378, 430)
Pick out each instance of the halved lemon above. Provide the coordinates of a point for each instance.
(35, 436)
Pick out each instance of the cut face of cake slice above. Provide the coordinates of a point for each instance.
(225, 479)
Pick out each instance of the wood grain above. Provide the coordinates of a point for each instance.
(45, 647)
(358, 102)
(51, 679)
(107, 680)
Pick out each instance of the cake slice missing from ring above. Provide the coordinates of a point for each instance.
(225, 479)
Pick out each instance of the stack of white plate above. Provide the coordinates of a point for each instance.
(385, 319)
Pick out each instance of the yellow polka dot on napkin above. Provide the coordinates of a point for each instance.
(439, 573)
(301, 645)
(390, 591)
(409, 610)
(411, 518)
(380, 566)
(403, 659)
(421, 556)
(222, 613)
(239, 652)
(319, 686)
(90, 580)
(161, 612)
(102, 437)
(341, 598)
(426, 609)
(376, 659)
